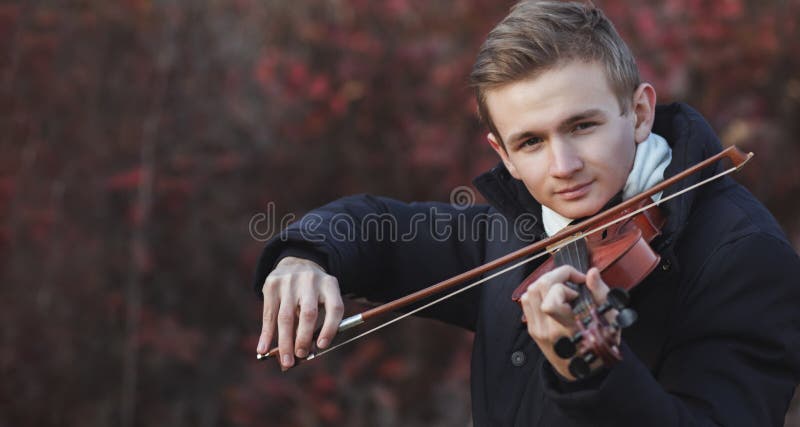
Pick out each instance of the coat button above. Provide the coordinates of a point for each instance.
(517, 358)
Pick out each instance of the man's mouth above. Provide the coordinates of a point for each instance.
(575, 191)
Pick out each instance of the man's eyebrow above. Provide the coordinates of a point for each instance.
(583, 115)
(571, 120)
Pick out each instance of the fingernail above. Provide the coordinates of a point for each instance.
(301, 352)
(287, 360)
(322, 342)
(260, 349)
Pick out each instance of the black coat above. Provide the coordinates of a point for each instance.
(717, 340)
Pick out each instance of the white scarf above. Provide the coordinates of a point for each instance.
(652, 157)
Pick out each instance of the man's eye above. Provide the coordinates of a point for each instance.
(585, 125)
(530, 142)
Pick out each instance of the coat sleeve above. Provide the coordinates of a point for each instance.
(380, 249)
(733, 356)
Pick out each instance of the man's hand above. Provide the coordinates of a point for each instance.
(294, 290)
(549, 314)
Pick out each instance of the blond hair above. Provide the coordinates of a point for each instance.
(537, 36)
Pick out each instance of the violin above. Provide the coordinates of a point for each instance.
(624, 257)
(616, 241)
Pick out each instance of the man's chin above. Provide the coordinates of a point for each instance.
(581, 209)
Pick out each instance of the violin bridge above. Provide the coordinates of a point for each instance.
(552, 249)
(555, 247)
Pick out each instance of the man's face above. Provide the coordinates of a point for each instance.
(565, 138)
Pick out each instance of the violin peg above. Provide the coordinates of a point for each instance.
(626, 318)
(579, 366)
(565, 348)
(618, 298)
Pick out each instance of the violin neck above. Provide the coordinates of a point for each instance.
(576, 254)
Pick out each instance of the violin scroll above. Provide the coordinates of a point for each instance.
(596, 337)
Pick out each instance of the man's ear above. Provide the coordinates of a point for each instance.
(501, 151)
(644, 110)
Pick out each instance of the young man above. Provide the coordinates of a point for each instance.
(717, 339)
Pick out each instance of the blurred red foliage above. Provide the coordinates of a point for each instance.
(139, 138)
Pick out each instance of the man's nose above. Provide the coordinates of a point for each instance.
(564, 160)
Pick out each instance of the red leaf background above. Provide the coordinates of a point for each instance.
(140, 139)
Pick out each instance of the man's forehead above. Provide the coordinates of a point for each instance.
(563, 91)
(575, 73)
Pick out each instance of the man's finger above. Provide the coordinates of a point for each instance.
(531, 303)
(561, 274)
(564, 273)
(286, 331)
(556, 304)
(271, 301)
(307, 319)
(267, 324)
(334, 310)
(596, 285)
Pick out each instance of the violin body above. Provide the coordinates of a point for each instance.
(621, 252)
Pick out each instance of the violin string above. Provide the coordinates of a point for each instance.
(570, 259)
(561, 257)
(556, 247)
(581, 265)
(576, 254)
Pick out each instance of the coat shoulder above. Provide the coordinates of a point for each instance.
(730, 231)
(724, 216)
